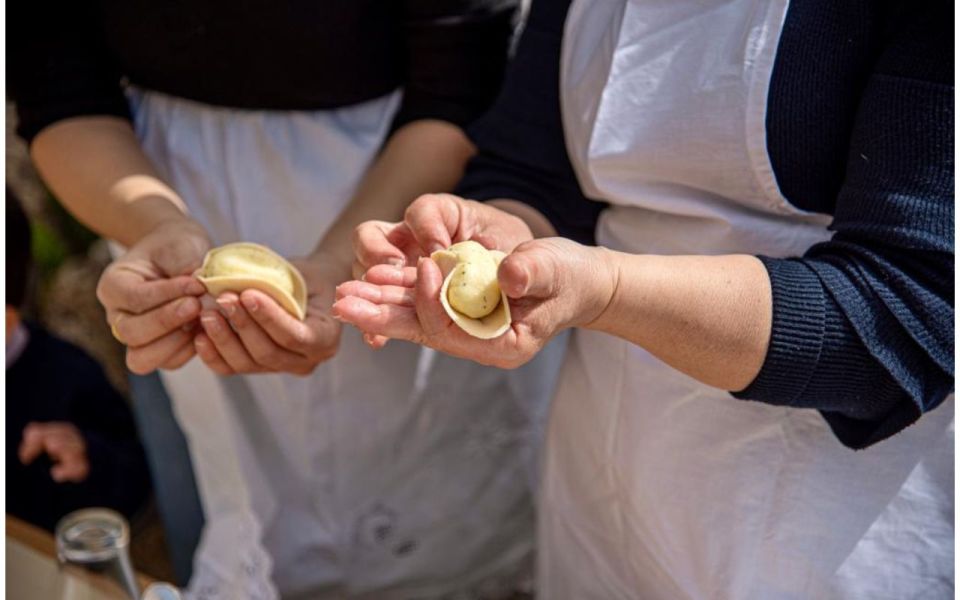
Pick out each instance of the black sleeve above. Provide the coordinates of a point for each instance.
(863, 323)
(521, 150)
(58, 65)
(456, 52)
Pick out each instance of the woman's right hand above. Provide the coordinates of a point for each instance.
(152, 299)
(431, 222)
(434, 222)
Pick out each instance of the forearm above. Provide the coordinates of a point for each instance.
(422, 157)
(707, 316)
(96, 168)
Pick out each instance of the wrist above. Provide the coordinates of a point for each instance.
(149, 214)
(336, 267)
(499, 228)
(600, 306)
(180, 224)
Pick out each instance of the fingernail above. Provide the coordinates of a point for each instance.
(210, 323)
(435, 247)
(251, 303)
(228, 306)
(186, 308)
(396, 262)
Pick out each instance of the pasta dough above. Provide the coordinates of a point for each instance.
(471, 294)
(244, 265)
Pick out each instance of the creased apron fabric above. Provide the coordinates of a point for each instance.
(397, 473)
(657, 486)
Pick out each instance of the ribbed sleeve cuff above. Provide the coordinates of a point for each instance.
(797, 334)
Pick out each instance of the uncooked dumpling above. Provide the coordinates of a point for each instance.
(471, 294)
(244, 266)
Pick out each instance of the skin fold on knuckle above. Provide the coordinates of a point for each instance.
(270, 357)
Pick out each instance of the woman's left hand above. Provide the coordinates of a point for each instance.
(252, 333)
(552, 283)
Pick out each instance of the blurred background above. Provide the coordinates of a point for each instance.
(61, 296)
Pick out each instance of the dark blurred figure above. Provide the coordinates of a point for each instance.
(71, 440)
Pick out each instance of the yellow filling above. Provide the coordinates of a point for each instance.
(473, 289)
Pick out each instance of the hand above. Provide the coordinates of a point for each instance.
(254, 334)
(431, 222)
(151, 298)
(63, 443)
(434, 222)
(552, 284)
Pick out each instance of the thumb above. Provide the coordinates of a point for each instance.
(175, 247)
(433, 219)
(528, 271)
(182, 257)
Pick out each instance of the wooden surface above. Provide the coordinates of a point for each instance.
(32, 571)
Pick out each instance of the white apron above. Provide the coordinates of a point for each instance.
(381, 475)
(657, 486)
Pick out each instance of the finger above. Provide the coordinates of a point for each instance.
(389, 320)
(375, 341)
(529, 272)
(433, 318)
(433, 219)
(183, 256)
(147, 358)
(258, 343)
(305, 337)
(378, 294)
(62, 439)
(180, 358)
(140, 330)
(71, 466)
(227, 343)
(371, 246)
(209, 355)
(401, 237)
(32, 444)
(357, 270)
(123, 289)
(391, 275)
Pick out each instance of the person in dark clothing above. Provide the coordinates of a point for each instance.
(71, 439)
(772, 183)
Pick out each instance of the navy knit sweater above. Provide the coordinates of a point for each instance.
(860, 124)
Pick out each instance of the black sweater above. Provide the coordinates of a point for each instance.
(55, 381)
(860, 123)
(67, 58)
